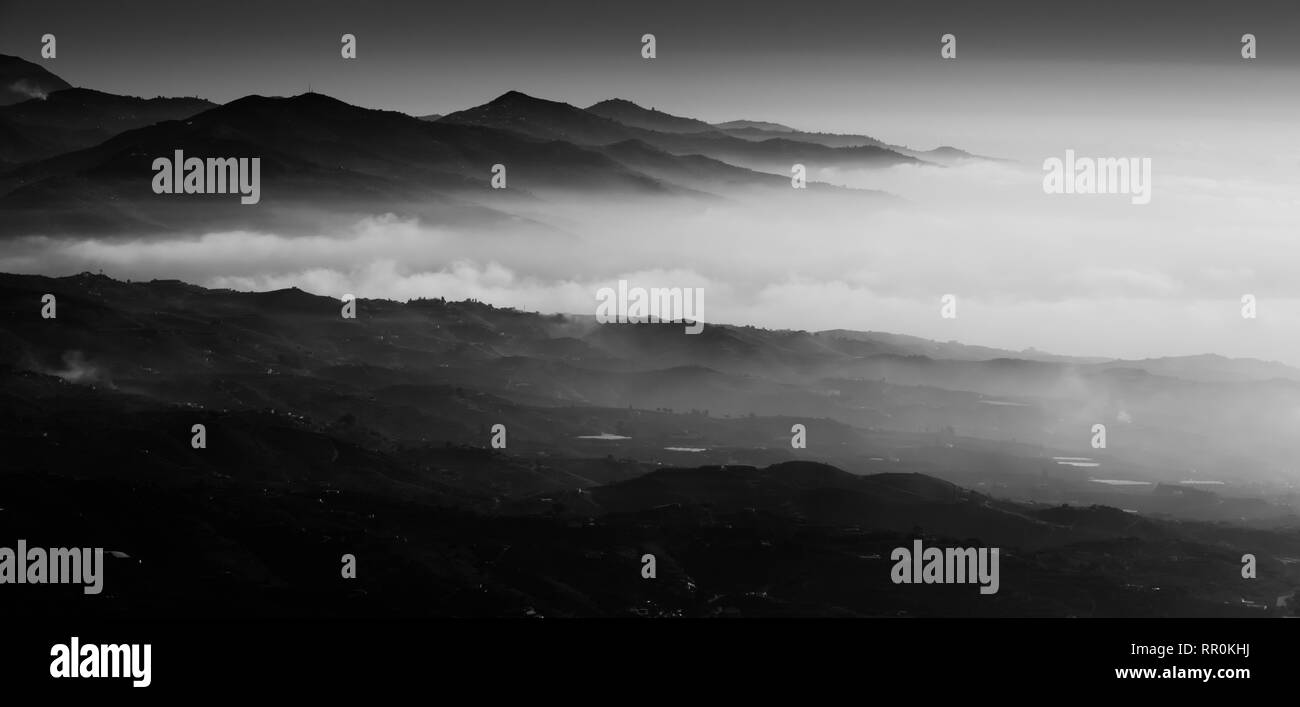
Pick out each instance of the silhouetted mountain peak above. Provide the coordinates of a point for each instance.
(519, 98)
(314, 96)
(516, 104)
(21, 80)
(309, 100)
(615, 103)
(754, 125)
(633, 115)
(541, 118)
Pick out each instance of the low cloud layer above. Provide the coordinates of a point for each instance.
(1088, 275)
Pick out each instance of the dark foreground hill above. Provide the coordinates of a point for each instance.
(870, 401)
(371, 437)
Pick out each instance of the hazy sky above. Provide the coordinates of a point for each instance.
(1031, 79)
(852, 65)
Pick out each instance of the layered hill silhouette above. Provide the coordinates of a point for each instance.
(629, 113)
(79, 161)
(76, 118)
(315, 152)
(618, 121)
(874, 397)
(634, 116)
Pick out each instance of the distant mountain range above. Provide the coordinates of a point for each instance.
(73, 160)
(634, 116)
(754, 125)
(631, 114)
(620, 120)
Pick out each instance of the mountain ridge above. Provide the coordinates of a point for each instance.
(21, 80)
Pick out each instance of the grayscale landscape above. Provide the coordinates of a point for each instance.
(942, 337)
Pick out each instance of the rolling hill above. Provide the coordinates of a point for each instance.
(370, 436)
